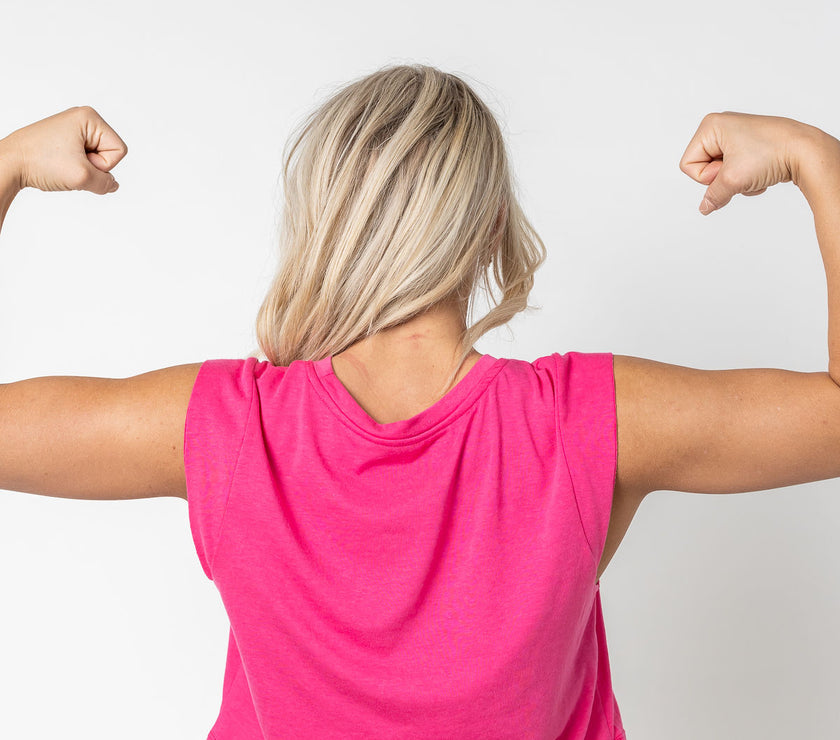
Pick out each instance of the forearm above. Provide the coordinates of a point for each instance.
(9, 178)
(817, 175)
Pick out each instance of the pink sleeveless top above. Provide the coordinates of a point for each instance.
(429, 578)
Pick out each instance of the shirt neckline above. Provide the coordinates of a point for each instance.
(444, 410)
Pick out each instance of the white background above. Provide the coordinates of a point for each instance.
(721, 611)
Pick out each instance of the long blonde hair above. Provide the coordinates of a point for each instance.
(398, 196)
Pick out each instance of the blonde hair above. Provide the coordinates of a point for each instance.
(398, 197)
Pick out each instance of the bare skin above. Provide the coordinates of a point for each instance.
(397, 373)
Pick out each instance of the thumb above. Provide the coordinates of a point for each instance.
(98, 181)
(718, 194)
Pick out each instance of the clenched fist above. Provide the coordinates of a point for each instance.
(71, 150)
(736, 153)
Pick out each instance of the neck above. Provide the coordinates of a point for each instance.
(422, 352)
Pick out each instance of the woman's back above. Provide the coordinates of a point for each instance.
(430, 577)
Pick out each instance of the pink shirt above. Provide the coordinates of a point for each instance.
(429, 578)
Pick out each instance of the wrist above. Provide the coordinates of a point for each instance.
(813, 158)
(11, 170)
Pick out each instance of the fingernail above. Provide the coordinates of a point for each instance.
(706, 206)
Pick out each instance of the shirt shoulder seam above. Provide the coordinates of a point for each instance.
(235, 467)
(566, 460)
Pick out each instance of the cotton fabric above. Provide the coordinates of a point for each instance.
(434, 577)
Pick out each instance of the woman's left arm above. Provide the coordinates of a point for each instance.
(83, 437)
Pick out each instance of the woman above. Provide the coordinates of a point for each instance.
(408, 535)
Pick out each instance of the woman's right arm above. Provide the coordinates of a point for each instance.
(731, 431)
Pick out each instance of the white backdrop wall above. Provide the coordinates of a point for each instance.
(721, 611)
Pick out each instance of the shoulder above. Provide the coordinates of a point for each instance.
(225, 380)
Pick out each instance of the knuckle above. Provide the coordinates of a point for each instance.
(85, 111)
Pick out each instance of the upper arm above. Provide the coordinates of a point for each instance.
(723, 431)
(96, 438)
